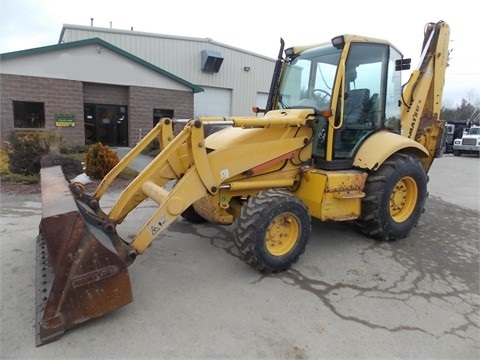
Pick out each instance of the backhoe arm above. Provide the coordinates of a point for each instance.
(422, 95)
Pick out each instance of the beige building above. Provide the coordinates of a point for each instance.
(233, 80)
(112, 86)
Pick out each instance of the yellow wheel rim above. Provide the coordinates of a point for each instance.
(403, 199)
(282, 234)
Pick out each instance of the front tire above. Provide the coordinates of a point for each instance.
(272, 231)
(395, 198)
(191, 215)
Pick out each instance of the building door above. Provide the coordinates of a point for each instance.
(106, 124)
(213, 102)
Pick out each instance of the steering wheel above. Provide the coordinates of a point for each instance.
(322, 97)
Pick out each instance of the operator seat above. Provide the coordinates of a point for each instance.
(356, 122)
(356, 105)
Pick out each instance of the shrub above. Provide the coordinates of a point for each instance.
(4, 162)
(26, 150)
(100, 160)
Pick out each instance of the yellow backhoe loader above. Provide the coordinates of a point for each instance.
(340, 139)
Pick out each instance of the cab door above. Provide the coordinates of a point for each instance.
(367, 100)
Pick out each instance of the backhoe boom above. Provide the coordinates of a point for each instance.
(422, 96)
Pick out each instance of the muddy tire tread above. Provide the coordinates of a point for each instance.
(247, 226)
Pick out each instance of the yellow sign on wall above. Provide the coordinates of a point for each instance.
(65, 120)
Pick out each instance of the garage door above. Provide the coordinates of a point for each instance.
(213, 102)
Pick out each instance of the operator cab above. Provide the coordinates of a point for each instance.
(354, 89)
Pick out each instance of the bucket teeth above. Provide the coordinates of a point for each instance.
(44, 279)
(81, 270)
(84, 281)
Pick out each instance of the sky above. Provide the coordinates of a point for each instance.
(257, 26)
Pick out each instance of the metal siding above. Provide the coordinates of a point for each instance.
(182, 57)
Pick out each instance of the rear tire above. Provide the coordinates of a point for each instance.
(272, 231)
(395, 198)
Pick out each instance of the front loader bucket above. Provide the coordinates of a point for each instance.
(81, 266)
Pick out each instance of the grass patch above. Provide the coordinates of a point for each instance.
(20, 178)
(128, 174)
(77, 156)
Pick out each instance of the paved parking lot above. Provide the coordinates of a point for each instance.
(348, 297)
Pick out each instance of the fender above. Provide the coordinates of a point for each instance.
(370, 155)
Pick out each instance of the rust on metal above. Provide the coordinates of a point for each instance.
(81, 270)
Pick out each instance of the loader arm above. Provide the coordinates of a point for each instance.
(422, 95)
(163, 132)
(81, 259)
(203, 171)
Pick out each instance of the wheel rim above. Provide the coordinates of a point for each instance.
(403, 199)
(282, 234)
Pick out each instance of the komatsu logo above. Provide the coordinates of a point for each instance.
(414, 121)
(94, 276)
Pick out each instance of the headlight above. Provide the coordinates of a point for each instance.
(457, 142)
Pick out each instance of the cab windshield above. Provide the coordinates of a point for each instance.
(308, 79)
(474, 131)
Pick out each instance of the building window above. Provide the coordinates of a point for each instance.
(161, 113)
(28, 114)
